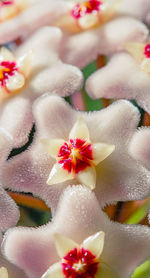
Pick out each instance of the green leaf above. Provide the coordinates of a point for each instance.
(143, 271)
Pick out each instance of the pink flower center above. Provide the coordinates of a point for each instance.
(86, 7)
(147, 50)
(7, 69)
(76, 155)
(80, 263)
(6, 2)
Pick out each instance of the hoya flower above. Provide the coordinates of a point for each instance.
(8, 270)
(77, 157)
(118, 176)
(79, 260)
(130, 81)
(21, 17)
(27, 74)
(78, 218)
(92, 28)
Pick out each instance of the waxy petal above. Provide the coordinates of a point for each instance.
(58, 175)
(64, 245)
(6, 55)
(25, 63)
(136, 50)
(52, 146)
(95, 243)
(87, 177)
(3, 272)
(79, 130)
(145, 66)
(101, 151)
(54, 271)
(105, 271)
(15, 82)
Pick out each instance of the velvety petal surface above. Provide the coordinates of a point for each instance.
(140, 147)
(9, 213)
(125, 246)
(35, 16)
(136, 8)
(121, 78)
(80, 49)
(118, 177)
(47, 74)
(13, 271)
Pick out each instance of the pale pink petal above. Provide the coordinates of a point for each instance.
(140, 147)
(118, 177)
(16, 117)
(125, 247)
(13, 271)
(81, 49)
(122, 77)
(136, 8)
(9, 213)
(32, 18)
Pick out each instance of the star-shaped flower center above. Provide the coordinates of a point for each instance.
(80, 263)
(76, 155)
(141, 53)
(12, 73)
(76, 158)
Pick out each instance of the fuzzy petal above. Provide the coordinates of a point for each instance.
(115, 81)
(82, 48)
(34, 250)
(119, 177)
(140, 148)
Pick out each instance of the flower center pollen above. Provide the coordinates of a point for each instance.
(75, 155)
(80, 263)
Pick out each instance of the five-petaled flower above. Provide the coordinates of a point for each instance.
(13, 73)
(76, 158)
(78, 261)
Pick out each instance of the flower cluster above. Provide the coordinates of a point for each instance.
(73, 162)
